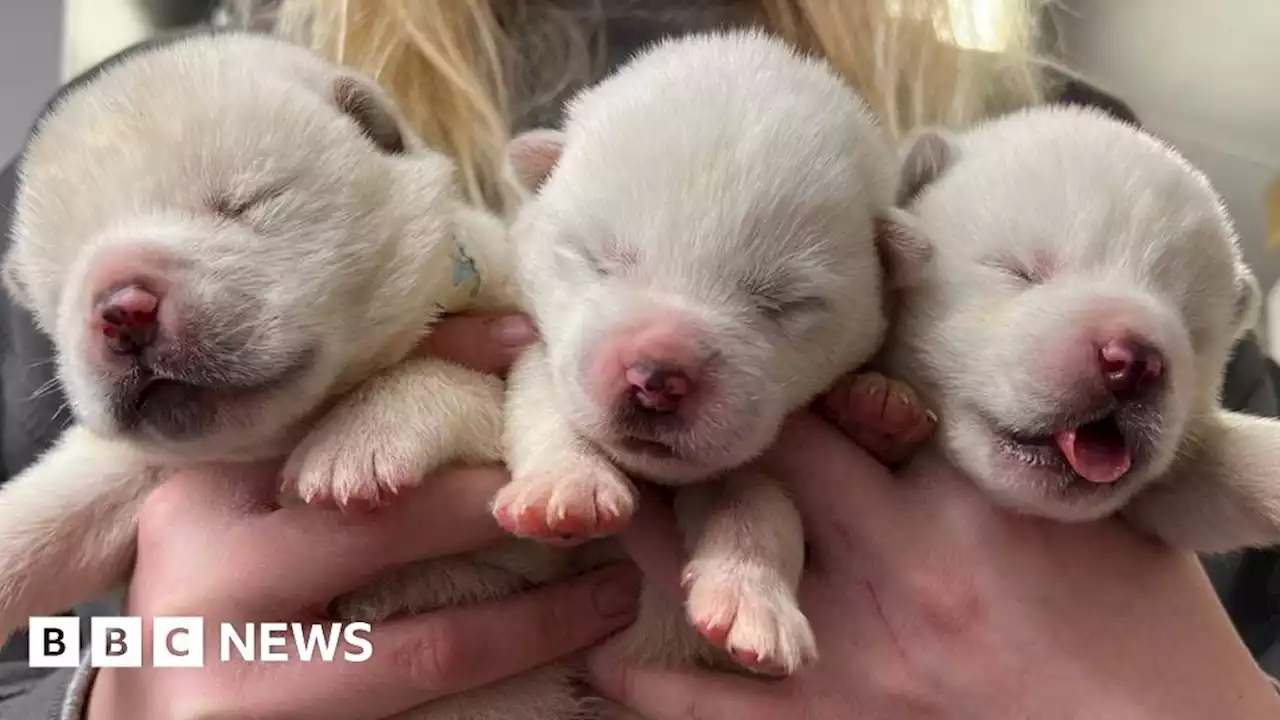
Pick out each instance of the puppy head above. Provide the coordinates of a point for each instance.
(1085, 292)
(700, 253)
(200, 230)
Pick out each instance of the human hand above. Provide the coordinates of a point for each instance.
(257, 562)
(927, 601)
(212, 543)
(486, 343)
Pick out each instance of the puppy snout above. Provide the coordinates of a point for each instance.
(656, 367)
(659, 386)
(1130, 366)
(129, 319)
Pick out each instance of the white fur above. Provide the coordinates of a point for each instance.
(731, 184)
(297, 316)
(1053, 226)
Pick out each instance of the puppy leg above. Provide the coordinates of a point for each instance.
(561, 489)
(394, 430)
(1223, 494)
(884, 416)
(68, 526)
(744, 571)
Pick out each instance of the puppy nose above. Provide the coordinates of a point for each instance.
(1129, 366)
(658, 387)
(129, 319)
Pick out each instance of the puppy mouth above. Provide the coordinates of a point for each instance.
(181, 406)
(1100, 452)
(647, 447)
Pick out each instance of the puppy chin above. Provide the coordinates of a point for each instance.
(689, 455)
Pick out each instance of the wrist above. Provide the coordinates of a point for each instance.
(75, 699)
(1174, 655)
(107, 697)
(99, 697)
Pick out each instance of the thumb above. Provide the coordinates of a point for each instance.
(685, 695)
(484, 343)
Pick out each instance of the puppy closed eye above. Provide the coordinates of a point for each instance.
(610, 259)
(781, 308)
(1016, 270)
(232, 208)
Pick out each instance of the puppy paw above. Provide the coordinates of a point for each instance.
(579, 500)
(884, 416)
(751, 613)
(356, 466)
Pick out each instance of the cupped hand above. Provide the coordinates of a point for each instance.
(928, 601)
(214, 543)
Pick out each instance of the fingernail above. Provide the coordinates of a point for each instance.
(617, 595)
(513, 331)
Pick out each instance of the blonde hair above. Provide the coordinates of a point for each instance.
(463, 71)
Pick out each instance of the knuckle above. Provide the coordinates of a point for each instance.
(554, 623)
(162, 508)
(435, 658)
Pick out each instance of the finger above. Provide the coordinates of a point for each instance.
(842, 492)
(437, 654)
(653, 541)
(691, 695)
(883, 416)
(303, 555)
(201, 495)
(484, 343)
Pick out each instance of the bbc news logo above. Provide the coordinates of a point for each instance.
(180, 642)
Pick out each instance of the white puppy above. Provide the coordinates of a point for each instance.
(701, 257)
(1074, 327)
(234, 247)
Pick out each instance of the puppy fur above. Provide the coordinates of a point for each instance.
(1057, 233)
(297, 242)
(710, 209)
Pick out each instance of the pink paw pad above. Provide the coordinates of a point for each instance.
(752, 661)
(533, 522)
(363, 503)
(715, 633)
(565, 509)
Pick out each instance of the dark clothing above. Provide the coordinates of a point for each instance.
(32, 415)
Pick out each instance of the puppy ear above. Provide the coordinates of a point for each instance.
(372, 110)
(533, 154)
(1223, 494)
(926, 156)
(905, 250)
(1248, 299)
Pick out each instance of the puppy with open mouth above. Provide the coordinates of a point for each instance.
(1074, 327)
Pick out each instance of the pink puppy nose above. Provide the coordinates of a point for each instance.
(658, 387)
(129, 319)
(1129, 366)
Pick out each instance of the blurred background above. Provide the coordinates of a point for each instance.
(1200, 74)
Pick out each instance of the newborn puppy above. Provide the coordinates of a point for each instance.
(1074, 326)
(234, 247)
(701, 258)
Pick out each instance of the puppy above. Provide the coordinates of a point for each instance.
(701, 258)
(1074, 326)
(234, 247)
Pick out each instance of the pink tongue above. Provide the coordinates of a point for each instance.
(1098, 457)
